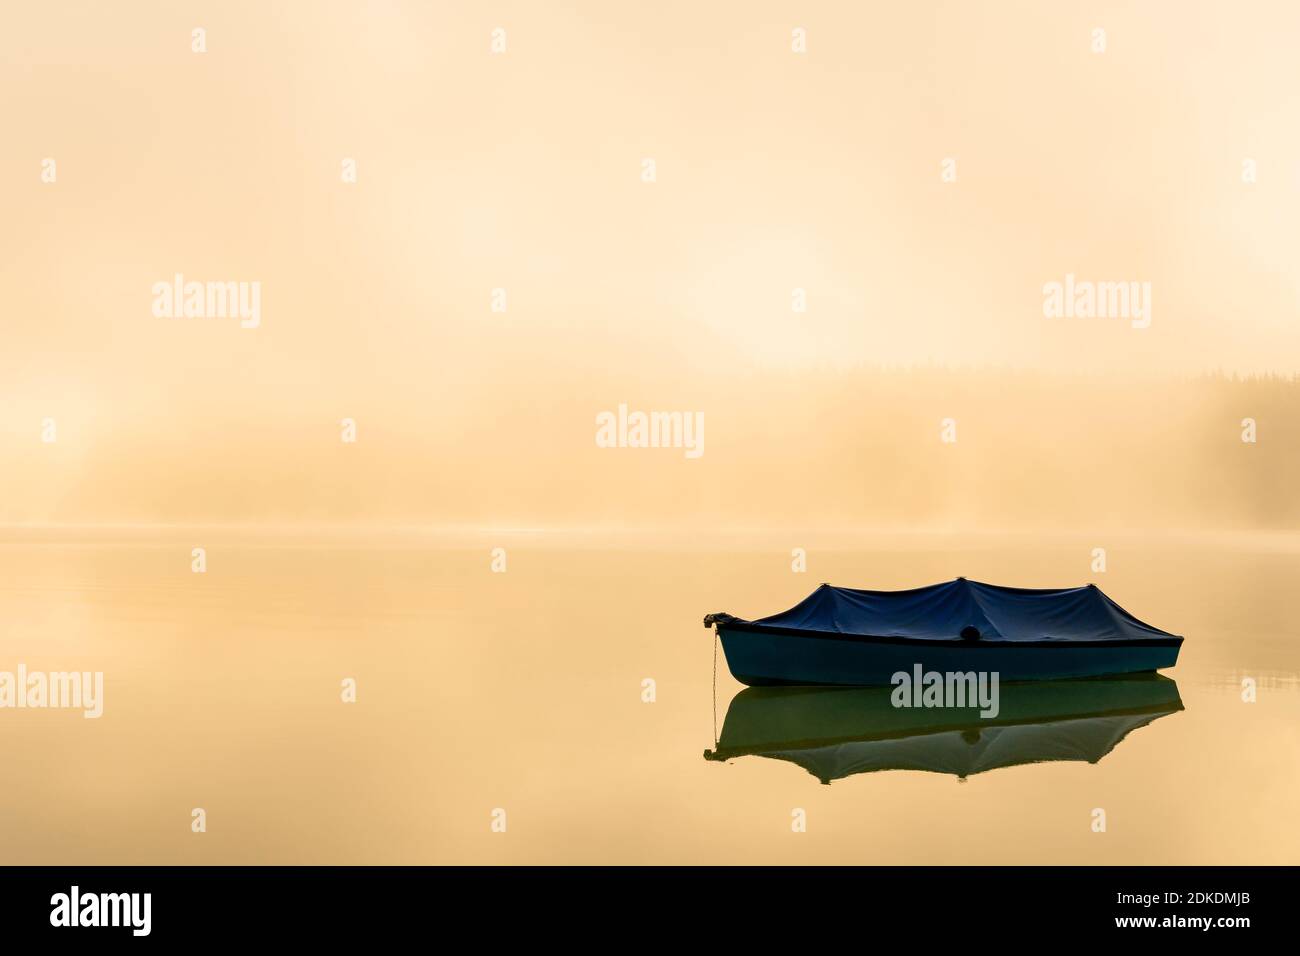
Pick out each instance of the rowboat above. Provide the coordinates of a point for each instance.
(845, 636)
(835, 732)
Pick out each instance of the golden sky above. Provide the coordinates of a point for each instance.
(522, 170)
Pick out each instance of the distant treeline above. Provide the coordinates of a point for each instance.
(827, 450)
(1030, 449)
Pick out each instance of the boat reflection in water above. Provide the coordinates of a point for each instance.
(835, 732)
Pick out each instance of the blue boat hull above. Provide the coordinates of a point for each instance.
(764, 659)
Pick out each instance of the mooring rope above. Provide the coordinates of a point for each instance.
(715, 688)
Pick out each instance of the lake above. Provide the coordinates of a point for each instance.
(480, 691)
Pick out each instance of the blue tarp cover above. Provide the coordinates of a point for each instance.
(940, 612)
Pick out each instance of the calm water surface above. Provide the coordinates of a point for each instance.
(522, 690)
